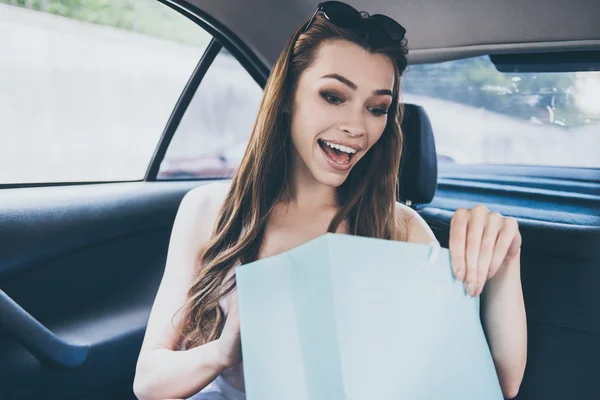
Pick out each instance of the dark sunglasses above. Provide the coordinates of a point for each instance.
(346, 16)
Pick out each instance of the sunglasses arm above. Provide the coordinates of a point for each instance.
(319, 9)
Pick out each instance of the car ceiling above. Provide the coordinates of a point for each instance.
(437, 30)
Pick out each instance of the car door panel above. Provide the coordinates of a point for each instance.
(85, 262)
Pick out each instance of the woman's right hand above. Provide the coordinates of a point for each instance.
(230, 340)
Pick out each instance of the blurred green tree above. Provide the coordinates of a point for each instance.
(144, 16)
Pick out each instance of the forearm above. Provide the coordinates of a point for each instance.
(505, 325)
(167, 374)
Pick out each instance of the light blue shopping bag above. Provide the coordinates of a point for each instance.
(353, 318)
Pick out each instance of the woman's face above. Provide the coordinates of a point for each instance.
(340, 110)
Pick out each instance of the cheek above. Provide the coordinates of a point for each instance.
(375, 131)
(302, 131)
(309, 119)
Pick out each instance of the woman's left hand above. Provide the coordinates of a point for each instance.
(481, 243)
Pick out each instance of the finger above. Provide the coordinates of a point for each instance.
(474, 236)
(457, 242)
(509, 233)
(515, 246)
(488, 243)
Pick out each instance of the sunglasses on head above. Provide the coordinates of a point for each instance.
(346, 16)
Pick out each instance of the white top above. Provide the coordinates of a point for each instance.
(219, 389)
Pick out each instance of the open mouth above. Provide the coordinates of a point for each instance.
(340, 155)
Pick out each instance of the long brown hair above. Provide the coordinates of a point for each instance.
(367, 197)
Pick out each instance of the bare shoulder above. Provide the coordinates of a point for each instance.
(418, 230)
(212, 193)
(201, 205)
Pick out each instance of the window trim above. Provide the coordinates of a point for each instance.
(450, 170)
(223, 35)
(212, 50)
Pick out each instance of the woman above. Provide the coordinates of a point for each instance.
(323, 157)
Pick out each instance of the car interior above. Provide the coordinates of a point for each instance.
(80, 262)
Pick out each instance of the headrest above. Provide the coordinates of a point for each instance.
(418, 165)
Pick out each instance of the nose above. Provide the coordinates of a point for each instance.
(354, 127)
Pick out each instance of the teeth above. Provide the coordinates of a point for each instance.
(340, 147)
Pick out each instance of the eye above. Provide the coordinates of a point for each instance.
(378, 112)
(331, 98)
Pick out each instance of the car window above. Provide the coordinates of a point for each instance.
(214, 131)
(482, 116)
(87, 87)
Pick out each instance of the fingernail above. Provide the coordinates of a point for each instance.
(458, 274)
(470, 288)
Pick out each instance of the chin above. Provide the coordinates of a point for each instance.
(329, 177)
(331, 181)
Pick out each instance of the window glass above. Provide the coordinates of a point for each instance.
(87, 86)
(214, 131)
(482, 116)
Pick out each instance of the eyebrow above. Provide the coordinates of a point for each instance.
(352, 85)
